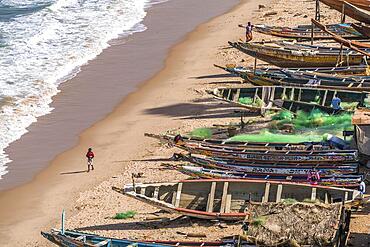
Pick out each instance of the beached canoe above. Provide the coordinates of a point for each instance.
(263, 146)
(293, 78)
(302, 33)
(363, 29)
(338, 4)
(81, 239)
(205, 148)
(297, 98)
(280, 168)
(288, 57)
(346, 71)
(342, 181)
(338, 156)
(356, 9)
(228, 199)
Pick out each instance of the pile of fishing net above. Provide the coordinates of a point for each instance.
(315, 119)
(299, 224)
(266, 136)
(257, 102)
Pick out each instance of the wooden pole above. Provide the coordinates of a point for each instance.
(343, 16)
(317, 11)
(312, 27)
(63, 221)
(255, 66)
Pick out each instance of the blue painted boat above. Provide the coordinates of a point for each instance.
(80, 239)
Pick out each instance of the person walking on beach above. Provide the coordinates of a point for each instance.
(90, 156)
(248, 31)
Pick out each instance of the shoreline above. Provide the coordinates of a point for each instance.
(73, 113)
(39, 201)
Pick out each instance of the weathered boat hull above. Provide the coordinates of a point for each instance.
(304, 34)
(358, 10)
(342, 181)
(293, 78)
(80, 239)
(296, 58)
(263, 146)
(338, 4)
(363, 29)
(282, 169)
(301, 97)
(228, 199)
(278, 157)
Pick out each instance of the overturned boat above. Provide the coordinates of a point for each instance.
(228, 199)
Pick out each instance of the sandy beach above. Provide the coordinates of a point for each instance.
(172, 99)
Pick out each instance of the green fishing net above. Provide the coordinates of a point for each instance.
(201, 133)
(249, 101)
(266, 136)
(246, 100)
(315, 119)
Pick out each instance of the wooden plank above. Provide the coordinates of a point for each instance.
(156, 192)
(346, 196)
(326, 198)
(142, 191)
(265, 198)
(224, 195)
(228, 203)
(211, 197)
(324, 98)
(313, 194)
(279, 192)
(178, 195)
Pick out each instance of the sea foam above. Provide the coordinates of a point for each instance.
(44, 43)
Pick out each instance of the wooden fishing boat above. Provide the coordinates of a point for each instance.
(339, 156)
(278, 168)
(357, 70)
(298, 98)
(301, 33)
(356, 9)
(227, 199)
(80, 239)
(354, 45)
(338, 4)
(287, 58)
(342, 181)
(363, 29)
(293, 78)
(263, 146)
(203, 148)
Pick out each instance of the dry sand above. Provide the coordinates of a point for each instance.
(174, 99)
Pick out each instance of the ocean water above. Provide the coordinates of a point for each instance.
(43, 43)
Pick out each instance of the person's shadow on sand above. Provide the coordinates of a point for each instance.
(74, 172)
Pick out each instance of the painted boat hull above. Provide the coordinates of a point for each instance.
(342, 181)
(80, 239)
